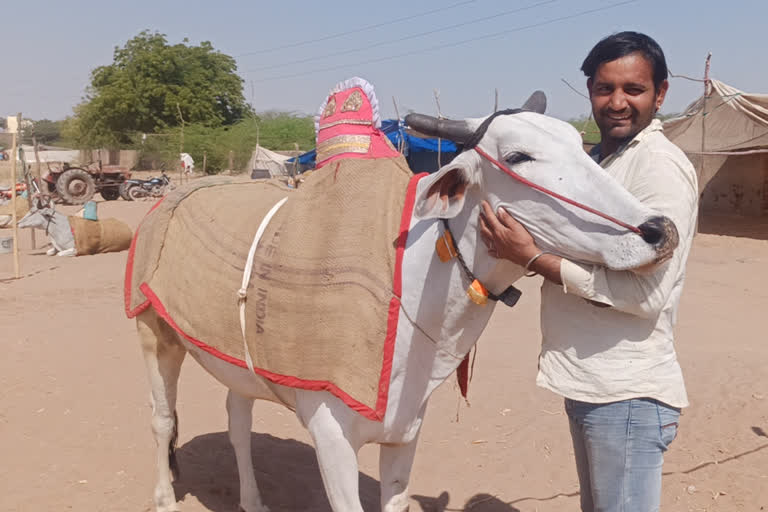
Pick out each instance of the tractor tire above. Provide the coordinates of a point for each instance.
(76, 186)
(123, 190)
(110, 193)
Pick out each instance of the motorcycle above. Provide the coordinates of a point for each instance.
(156, 187)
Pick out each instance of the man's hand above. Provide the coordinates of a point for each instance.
(508, 239)
(505, 237)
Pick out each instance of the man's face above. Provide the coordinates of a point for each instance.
(624, 99)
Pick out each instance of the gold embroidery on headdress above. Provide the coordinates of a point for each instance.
(330, 108)
(353, 102)
(346, 121)
(343, 144)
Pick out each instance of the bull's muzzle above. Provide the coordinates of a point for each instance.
(660, 232)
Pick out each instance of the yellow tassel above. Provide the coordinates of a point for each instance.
(477, 293)
(445, 248)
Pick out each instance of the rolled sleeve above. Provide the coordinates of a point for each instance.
(640, 295)
(664, 185)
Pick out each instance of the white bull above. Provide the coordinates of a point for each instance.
(438, 324)
(56, 225)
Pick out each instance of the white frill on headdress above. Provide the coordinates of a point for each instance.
(349, 83)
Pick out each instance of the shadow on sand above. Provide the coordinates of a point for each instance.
(288, 477)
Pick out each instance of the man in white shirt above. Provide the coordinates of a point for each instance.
(607, 342)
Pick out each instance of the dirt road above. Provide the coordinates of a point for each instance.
(74, 414)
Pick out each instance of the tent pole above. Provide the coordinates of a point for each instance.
(703, 136)
(439, 140)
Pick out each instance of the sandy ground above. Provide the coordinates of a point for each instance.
(74, 414)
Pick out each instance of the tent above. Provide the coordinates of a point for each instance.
(265, 163)
(420, 152)
(725, 135)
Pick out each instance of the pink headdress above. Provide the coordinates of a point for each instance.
(347, 124)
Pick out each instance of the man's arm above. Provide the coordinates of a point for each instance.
(644, 292)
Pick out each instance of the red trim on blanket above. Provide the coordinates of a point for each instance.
(394, 304)
(376, 414)
(284, 380)
(130, 313)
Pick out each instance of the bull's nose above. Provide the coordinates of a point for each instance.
(659, 231)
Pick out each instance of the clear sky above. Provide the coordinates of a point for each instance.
(290, 53)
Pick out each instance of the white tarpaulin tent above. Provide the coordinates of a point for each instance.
(731, 123)
(266, 160)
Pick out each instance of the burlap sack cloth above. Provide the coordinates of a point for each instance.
(322, 281)
(99, 236)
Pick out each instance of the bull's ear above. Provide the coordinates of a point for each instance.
(443, 195)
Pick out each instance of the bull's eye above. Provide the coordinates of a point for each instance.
(518, 158)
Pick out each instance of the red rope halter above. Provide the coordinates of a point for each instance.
(528, 183)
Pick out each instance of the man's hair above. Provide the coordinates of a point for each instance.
(622, 44)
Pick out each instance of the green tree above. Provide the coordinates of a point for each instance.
(151, 85)
(45, 130)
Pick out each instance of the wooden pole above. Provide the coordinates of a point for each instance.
(496, 100)
(205, 160)
(37, 160)
(296, 160)
(14, 217)
(401, 142)
(703, 136)
(439, 140)
(231, 160)
(28, 183)
(181, 145)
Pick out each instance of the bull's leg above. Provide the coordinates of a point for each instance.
(395, 462)
(240, 420)
(163, 354)
(337, 457)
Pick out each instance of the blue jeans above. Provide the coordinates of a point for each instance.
(619, 449)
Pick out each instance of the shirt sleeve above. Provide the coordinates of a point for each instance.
(662, 184)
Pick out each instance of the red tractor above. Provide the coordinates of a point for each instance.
(78, 184)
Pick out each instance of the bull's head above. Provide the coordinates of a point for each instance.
(548, 153)
(40, 215)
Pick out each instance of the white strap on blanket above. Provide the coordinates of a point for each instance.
(242, 293)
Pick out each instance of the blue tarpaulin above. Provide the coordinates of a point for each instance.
(396, 133)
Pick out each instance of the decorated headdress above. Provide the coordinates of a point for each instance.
(347, 124)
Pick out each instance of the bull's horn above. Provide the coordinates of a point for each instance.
(457, 131)
(536, 103)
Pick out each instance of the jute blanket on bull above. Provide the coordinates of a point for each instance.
(99, 236)
(320, 311)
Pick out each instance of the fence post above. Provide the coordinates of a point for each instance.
(181, 146)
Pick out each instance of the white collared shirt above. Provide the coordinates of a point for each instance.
(605, 354)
